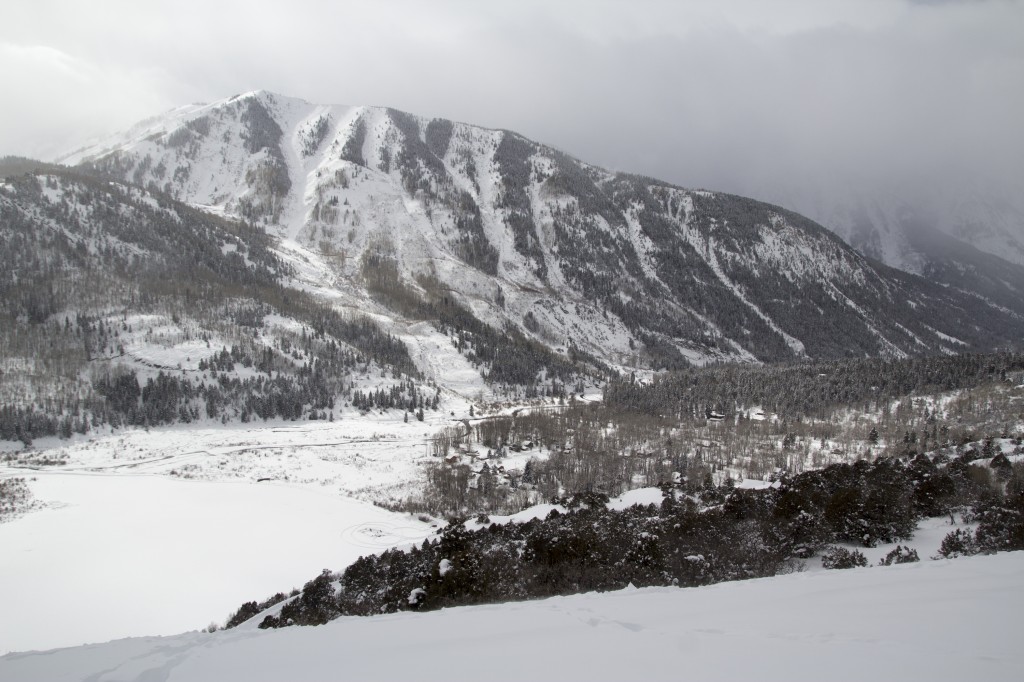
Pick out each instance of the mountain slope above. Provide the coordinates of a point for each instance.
(968, 237)
(121, 305)
(629, 269)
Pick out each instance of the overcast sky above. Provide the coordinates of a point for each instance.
(714, 94)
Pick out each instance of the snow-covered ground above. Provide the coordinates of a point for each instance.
(934, 620)
(124, 548)
(117, 556)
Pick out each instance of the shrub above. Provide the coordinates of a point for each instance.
(1001, 467)
(251, 608)
(957, 543)
(1001, 526)
(315, 606)
(900, 555)
(840, 557)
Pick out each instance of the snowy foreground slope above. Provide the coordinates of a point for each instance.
(933, 620)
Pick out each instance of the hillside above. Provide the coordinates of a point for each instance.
(944, 620)
(125, 307)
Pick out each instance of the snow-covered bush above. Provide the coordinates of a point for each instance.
(957, 543)
(900, 555)
(316, 605)
(840, 557)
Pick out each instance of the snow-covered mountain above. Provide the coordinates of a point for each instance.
(625, 268)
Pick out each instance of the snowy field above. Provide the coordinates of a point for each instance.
(934, 620)
(162, 531)
(124, 548)
(116, 555)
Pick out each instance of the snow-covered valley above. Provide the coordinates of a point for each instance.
(144, 533)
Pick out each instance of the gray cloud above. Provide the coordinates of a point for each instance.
(722, 95)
